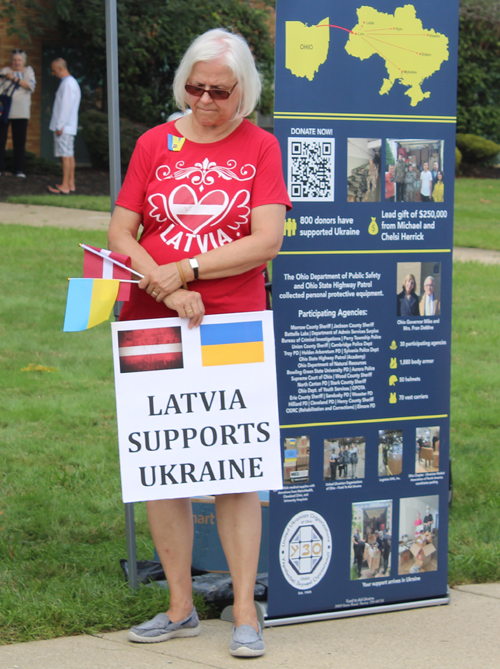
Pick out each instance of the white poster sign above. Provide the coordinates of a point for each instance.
(197, 409)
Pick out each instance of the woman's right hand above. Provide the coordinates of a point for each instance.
(187, 304)
(162, 281)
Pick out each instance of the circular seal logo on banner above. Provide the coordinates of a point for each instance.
(305, 550)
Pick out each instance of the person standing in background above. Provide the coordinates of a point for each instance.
(389, 184)
(408, 300)
(438, 187)
(64, 125)
(399, 178)
(24, 79)
(429, 304)
(426, 184)
(372, 176)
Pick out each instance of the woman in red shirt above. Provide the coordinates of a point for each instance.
(208, 190)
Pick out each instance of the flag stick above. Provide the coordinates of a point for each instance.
(121, 281)
(116, 262)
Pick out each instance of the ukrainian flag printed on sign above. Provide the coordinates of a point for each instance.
(231, 343)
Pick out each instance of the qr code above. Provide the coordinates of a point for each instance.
(311, 170)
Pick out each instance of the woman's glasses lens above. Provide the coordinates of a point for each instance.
(215, 93)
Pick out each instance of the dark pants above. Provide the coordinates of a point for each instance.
(19, 128)
(400, 192)
(425, 198)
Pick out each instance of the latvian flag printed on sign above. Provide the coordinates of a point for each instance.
(232, 343)
(150, 350)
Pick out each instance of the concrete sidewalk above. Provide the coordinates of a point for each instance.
(56, 217)
(463, 635)
(62, 217)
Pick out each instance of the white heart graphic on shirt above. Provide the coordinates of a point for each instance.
(194, 214)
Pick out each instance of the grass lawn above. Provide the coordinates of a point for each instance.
(62, 530)
(477, 213)
(475, 425)
(74, 201)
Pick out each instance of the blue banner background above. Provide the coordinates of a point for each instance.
(346, 85)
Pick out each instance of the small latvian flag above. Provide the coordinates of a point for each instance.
(150, 350)
(98, 267)
(231, 343)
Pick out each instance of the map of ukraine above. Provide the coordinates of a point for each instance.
(410, 52)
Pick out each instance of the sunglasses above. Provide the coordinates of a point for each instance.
(15, 51)
(215, 93)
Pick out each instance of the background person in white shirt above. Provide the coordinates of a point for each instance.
(19, 115)
(64, 124)
(429, 304)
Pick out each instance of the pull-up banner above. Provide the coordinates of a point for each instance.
(365, 114)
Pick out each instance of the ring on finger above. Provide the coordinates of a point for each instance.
(154, 294)
(189, 311)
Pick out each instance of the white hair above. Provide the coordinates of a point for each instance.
(213, 45)
(18, 52)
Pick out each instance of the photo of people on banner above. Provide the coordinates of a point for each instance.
(371, 539)
(427, 450)
(418, 289)
(364, 173)
(414, 170)
(418, 534)
(390, 453)
(344, 458)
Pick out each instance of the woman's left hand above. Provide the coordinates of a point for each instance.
(187, 304)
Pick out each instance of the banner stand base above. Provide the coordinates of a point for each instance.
(260, 607)
(384, 608)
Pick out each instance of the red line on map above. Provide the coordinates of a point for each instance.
(325, 25)
(419, 53)
(382, 55)
(372, 30)
(399, 34)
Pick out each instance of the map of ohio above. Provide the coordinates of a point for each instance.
(411, 53)
(306, 47)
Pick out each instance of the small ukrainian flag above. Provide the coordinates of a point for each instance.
(89, 302)
(175, 143)
(231, 343)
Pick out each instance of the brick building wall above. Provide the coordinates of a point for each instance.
(33, 51)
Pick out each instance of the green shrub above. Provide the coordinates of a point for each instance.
(478, 103)
(34, 165)
(458, 160)
(476, 149)
(95, 133)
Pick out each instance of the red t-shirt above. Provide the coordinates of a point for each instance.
(197, 199)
